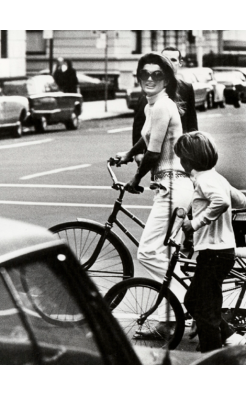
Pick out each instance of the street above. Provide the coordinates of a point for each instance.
(61, 175)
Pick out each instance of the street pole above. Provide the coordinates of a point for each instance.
(106, 71)
(51, 56)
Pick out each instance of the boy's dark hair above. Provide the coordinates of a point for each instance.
(170, 48)
(198, 149)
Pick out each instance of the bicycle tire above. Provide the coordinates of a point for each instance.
(139, 295)
(114, 262)
(234, 314)
(51, 304)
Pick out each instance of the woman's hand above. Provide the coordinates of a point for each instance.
(131, 185)
(187, 225)
(124, 158)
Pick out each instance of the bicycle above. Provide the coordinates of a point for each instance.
(135, 302)
(101, 251)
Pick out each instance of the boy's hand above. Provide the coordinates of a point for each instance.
(187, 225)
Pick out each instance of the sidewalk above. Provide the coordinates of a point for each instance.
(96, 109)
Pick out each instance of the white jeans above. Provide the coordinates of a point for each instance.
(152, 254)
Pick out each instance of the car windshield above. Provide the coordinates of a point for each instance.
(187, 76)
(41, 84)
(229, 76)
(47, 298)
(203, 76)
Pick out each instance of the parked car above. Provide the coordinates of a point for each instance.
(216, 96)
(94, 89)
(91, 88)
(235, 86)
(13, 113)
(47, 105)
(202, 90)
(230, 68)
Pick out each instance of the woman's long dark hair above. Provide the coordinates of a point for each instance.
(166, 66)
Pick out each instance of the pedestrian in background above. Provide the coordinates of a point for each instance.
(214, 240)
(161, 130)
(186, 96)
(70, 80)
(59, 73)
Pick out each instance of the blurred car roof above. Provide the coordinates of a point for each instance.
(230, 68)
(17, 235)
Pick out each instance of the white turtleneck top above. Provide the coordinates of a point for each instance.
(161, 130)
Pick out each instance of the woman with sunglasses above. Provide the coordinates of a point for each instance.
(160, 132)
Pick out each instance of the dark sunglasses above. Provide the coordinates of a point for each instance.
(156, 75)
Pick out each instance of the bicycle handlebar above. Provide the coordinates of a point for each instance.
(116, 184)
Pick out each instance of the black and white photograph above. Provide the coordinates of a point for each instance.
(123, 194)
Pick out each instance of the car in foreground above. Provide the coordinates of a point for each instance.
(13, 113)
(216, 96)
(235, 86)
(51, 312)
(202, 90)
(47, 105)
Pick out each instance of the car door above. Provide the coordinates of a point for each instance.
(11, 109)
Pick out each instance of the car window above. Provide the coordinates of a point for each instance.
(15, 88)
(239, 75)
(223, 76)
(47, 296)
(41, 84)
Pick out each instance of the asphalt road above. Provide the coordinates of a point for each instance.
(61, 175)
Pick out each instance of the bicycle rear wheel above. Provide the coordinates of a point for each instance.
(137, 296)
(234, 302)
(114, 262)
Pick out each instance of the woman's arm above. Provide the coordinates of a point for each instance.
(125, 157)
(148, 161)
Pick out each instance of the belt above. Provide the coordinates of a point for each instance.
(168, 174)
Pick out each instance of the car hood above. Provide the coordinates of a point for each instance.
(56, 94)
(155, 356)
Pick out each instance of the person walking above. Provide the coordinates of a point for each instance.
(71, 83)
(214, 240)
(161, 130)
(59, 73)
(186, 94)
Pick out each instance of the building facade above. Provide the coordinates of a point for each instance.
(12, 54)
(115, 51)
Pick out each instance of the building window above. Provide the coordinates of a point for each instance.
(35, 43)
(137, 41)
(4, 43)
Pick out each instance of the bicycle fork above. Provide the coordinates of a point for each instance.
(108, 226)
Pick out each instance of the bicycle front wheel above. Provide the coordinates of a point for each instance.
(113, 263)
(137, 296)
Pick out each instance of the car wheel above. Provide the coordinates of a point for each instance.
(40, 125)
(210, 100)
(73, 122)
(222, 104)
(204, 106)
(18, 130)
